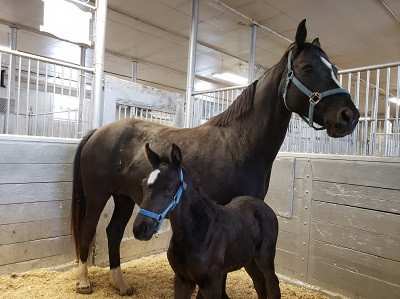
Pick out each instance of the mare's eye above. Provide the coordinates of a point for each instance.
(306, 69)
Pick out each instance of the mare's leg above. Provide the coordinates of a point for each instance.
(258, 279)
(266, 264)
(224, 295)
(95, 203)
(211, 287)
(183, 288)
(115, 230)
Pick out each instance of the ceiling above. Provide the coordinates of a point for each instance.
(156, 34)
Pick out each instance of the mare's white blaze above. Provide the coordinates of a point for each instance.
(153, 176)
(82, 275)
(117, 280)
(329, 65)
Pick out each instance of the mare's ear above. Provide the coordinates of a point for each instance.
(301, 35)
(152, 156)
(176, 156)
(316, 42)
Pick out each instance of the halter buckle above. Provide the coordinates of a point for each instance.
(290, 74)
(313, 96)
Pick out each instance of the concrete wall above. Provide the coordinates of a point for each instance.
(339, 222)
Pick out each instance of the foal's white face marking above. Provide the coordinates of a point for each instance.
(153, 177)
(329, 65)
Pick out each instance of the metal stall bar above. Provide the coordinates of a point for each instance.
(386, 127)
(82, 92)
(366, 114)
(191, 64)
(252, 60)
(99, 46)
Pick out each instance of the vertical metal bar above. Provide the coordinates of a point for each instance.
(252, 58)
(18, 94)
(376, 110)
(356, 132)
(7, 115)
(99, 45)
(45, 99)
(396, 126)
(27, 97)
(366, 114)
(37, 96)
(134, 70)
(386, 128)
(52, 100)
(191, 63)
(82, 91)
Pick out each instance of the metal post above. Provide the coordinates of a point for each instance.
(99, 45)
(9, 121)
(191, 63)
(82, 94)
(252, 59)
(134, 70)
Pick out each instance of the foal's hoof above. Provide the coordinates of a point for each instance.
(127, 292)
(84, 290)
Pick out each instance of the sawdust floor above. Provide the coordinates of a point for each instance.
(151, 277)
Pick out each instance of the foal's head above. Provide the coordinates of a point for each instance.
(162, 189)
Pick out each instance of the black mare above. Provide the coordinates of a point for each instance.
(208, 240)
(230, 155)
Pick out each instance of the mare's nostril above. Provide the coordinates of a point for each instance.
(345, 117)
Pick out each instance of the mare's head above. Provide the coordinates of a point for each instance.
(316, 94)
(162, 190)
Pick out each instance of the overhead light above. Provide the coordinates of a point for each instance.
(394, 100)
(226, 76)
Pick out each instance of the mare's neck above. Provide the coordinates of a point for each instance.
(265, 127)
(192, 217)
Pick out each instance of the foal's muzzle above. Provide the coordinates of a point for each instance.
(143, 230)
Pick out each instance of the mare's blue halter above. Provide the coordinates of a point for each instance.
(315, 97)
(160, 217)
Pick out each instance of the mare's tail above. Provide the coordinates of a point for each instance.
(78, 205)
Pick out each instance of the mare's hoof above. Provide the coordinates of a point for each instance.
(128, 292)
(84, 290)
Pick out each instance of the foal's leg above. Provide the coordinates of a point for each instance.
(266, 264)
(95, 202)
(183, 288)
(115, 230)
(224, 295)
(258, 279)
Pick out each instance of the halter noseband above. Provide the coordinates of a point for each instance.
(160, 217)
(315, 97)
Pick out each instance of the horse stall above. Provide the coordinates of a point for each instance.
(337, 200)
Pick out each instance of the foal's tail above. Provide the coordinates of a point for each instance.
(78, 206)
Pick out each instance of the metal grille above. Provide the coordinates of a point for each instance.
(211, 103)
(43, 97)
(375, 91)
(124, 111)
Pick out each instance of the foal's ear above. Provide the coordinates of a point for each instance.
(301, 34)
(176, 156)
(152, 156)
(316, 42)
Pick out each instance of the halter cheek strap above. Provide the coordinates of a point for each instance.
(160, 217)
(315, 97)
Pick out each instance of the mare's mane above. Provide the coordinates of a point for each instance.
(244, 101)
(240, 106)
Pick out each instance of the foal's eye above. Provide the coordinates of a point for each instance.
(169, 189)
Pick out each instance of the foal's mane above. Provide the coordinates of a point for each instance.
(240, 106)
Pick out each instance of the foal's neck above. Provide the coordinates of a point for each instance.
(192, 217)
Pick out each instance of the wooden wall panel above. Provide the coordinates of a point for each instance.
(35, 173)
(380, 199)
(34, 192)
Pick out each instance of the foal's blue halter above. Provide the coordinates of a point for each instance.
(160, 217)
(315, 97)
